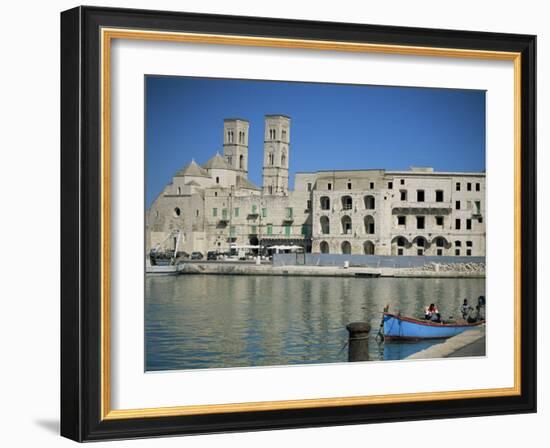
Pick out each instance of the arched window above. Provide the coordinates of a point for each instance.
(325, 225)
(369, 225)
(368, 248)
(325, 203)
(440, 241)
(241, 161)
(324, 247)
(217, 180)
(270, 158)
(346, 248)
(283, 158)
(347, 203)
(369, 202)
(401, 241)
(421, 241)
(179, 190)
(177, 212)
(284, 134)
(346, 225)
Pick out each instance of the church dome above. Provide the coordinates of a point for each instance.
(193, 169)
(217, 162)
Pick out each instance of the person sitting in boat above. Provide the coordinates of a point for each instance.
(432, 313)
(474, 316)
(465, 309)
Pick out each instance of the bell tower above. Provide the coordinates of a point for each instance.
(276, 155)
(235, 144)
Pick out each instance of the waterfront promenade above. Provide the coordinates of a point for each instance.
(432, 270)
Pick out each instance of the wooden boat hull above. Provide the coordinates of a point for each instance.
(406, 328)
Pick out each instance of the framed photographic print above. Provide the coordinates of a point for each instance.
(274, 223)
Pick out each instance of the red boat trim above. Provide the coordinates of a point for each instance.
(433, 324)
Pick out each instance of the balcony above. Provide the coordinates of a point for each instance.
(422, 208)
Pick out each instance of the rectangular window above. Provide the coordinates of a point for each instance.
(457, 224)
(457, 186)
(468, 252)
(420, 252)
(439, 221)
(420, 222)
(289, 212)
(264, 212)
(478, 187)
(254, 209)
(308, 205)
(419, 195)
(457, 205)
(305, 229)
(253, 230)
(349, 185)
(399, 251)
(309, 186)
(402, 181)
(401, 220)
(403, 194)
(329, 186)
(287, 230)
(439, 252)
(469, 186)
(468, 224)
(224, 213)
(232, 231)
(478, 207)
(390, 185)
(458, 243)
(457, 252)
(371, 185)
(214, 212)
(439, 196)
(270, 229)
(236, 212)
(468, 244)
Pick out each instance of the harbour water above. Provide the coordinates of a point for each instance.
(215, 321)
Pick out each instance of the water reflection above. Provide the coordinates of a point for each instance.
(209, 321)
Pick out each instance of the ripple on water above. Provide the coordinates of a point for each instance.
(210, 321)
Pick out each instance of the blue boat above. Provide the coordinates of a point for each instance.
(407, 328)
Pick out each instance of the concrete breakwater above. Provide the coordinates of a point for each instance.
(455, 270)
(468, 343)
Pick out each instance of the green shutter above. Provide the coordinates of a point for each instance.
(236, 212)
(224, 213)
(232, 231)
(254, 208)
(214, 212)
(269, 229)
(287, 230)
(264, 212)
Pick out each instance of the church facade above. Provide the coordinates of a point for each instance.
(371, 211)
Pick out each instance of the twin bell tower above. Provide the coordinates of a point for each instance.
(276, 151)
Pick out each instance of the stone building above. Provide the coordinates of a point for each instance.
(414, 212)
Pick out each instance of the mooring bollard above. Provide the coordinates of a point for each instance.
(358, 342)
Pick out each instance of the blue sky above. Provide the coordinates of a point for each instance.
(333, 126)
